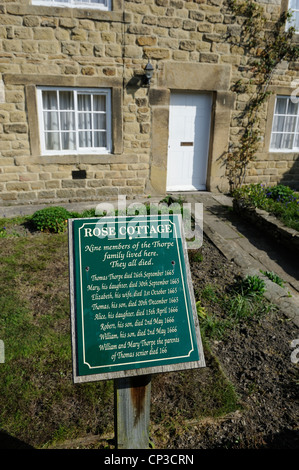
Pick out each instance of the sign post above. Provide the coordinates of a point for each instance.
(132, 412)
(133, 310)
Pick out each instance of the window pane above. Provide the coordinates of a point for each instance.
(278, 123)
(287, 141)
(281, 106)
(296, 144)
(66, 100)
(99, 121)
(84, 121)
(50, 100)
(276, 141)
(84, 102)
(99, 103)
(292, 108)
(67, 121)
(294, 4)
(51, 121)
(100, 139)
(52, 141)
(68, 140)
(290, 124)
(85, 139)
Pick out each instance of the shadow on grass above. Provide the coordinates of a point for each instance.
(8, 442)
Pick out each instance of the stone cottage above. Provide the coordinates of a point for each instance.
(80, 121)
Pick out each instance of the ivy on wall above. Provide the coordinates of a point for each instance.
(265, 44)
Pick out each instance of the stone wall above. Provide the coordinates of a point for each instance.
(77, 47)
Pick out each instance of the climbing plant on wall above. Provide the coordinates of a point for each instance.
(266, 44)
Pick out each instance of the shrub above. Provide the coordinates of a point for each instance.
(51, 219)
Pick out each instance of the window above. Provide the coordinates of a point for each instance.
(285, 128)
(74, 120)
(99, 4)
(294, 21)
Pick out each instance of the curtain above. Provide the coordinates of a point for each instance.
(74, 120)
(284, 125)
(294, 6)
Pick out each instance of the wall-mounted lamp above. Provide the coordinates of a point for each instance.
(148, 74)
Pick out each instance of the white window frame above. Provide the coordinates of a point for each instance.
(79, 150)
(295, 18)
(283, 132)
(106, 6)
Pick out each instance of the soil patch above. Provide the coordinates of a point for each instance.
(256, 358)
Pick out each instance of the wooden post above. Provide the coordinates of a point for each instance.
(132, 412)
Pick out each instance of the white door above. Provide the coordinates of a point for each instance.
(188, 145)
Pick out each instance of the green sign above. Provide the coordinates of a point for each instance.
(132, 304)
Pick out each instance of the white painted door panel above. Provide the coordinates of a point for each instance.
(188, 145)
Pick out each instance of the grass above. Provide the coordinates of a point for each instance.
(39, 404)
(34, 326)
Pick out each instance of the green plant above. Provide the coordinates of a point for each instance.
(281, 193)
(253, 193)
(51, 219)
(210, 326)
(3, 232)
(200, 310)
(273, 277)
(266, 47)
(279, 200)
(209, 293)
(250, 286)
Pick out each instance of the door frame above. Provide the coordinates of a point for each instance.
(197, 93)
(194, 78)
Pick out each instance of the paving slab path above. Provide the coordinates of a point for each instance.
(252, 250)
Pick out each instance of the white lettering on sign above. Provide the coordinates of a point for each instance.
(98, 232)
(109, 231)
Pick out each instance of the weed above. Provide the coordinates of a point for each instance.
(250, 286)
(197, 256)
(273, 277)
(210, 326)
(209, 293)
(244, 302)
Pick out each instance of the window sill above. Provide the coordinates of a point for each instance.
(37, 10)
(283, 152)
(74, 159)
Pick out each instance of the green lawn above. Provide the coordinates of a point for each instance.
(39, 404)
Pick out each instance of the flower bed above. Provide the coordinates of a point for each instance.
(273, 209)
